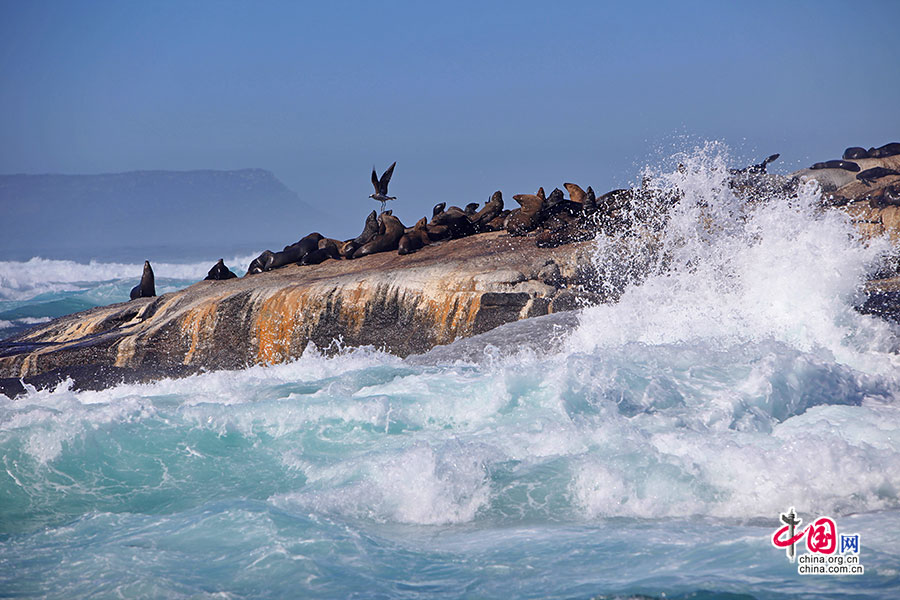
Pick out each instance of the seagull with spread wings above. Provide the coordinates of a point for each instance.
(381, 185)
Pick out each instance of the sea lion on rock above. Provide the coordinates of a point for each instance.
(498, 223)
(295, 252)
(438, 209)
(891, 149)
(761, 167)
(491, 209)
(414, 239)
(837, 164)
(147, 287)
(471, 208)
(855, 153)
(370, 229)
(870, 175)
(328, 248)
(384, 242)
(258, 264)
(457, 222)
(576, 194)
(219, 272)
(886, 196)
(555, 196)
(752, 169)
(525, 219)
(590, 200)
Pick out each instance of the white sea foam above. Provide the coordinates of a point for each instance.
(727, 272)
(25, 280)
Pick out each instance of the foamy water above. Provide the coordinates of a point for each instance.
(649, 451)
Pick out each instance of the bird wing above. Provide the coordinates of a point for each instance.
(375, 180)
(385, 179)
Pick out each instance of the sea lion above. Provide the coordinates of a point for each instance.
(328, 248)
(891, 149)
(368, 232)
(471, 208)
(384, 242)
(886, 196)
(381, 185)
(295, 252)
(414, 239)
(757, 168)
(576, 194)
(874, 173)
(855, 153)
(498, 223)
(258, 264)
(437, 233)
(147, 287)
(219, 272)
(555, 196)
(837, 164)
(456, 220)
(525, 219)
(491, 209)
(590, 200)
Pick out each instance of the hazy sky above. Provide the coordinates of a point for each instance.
(467, 97)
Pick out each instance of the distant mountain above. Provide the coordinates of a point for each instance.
(53, 215)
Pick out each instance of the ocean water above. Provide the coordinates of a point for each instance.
(640, 449)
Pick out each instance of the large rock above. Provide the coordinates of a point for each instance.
(404, 304)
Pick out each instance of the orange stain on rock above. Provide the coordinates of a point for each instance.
(199, 324)
(277, 319)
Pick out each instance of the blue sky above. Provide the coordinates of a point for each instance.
(467, 97)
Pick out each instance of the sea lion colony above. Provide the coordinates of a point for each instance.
(552, 219)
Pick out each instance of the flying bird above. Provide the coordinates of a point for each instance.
(381, 185)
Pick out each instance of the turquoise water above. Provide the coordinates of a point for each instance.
(642, 448)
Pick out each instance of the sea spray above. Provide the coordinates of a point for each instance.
(711, 266)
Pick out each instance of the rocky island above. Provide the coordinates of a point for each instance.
(535, 260)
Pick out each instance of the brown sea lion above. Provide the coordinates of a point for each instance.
(386, 241)
(258, 264)
(870, 175)
(456, 220)
(891, 149)
(471, 208)
(837, 164)
(147, 287)
(370, 229)
(757, 168)
(590, 200)
(855, 153)
(414, 239)
(328, 248)
(555, 196)
(576, 194)
(525, 219)
(491, 209)
(498, 223)
(219, 272)
(295, 252)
